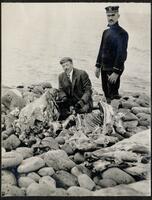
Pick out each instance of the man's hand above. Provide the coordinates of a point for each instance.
(113, 77)
(97, 72)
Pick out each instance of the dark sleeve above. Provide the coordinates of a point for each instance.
(121, 54)
(61, 89)
(87, 87)
(99, 61)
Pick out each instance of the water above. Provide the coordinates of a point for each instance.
(36, 36)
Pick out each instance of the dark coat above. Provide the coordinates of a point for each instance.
(113, 49)
(79, 89)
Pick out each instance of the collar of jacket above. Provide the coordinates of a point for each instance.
(116, 25)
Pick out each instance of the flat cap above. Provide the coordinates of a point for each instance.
(112, 9)
(65, 59)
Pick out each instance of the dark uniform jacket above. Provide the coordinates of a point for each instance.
(78, 89)
(113, 49)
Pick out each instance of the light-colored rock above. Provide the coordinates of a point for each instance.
(130, 124)
(7, 177)
(58, 159)
(64, 179)
(11, 190)
(119, 176)
(41, 189)
(46, 171)
(68, 149)
(129, 117)
(104, 183)
(3, 150)
(129, 104)
(60, 192)
(50, 142)
(78, 158)
(137, 110)
(25, 182)
(34, 176)
(48, 180)
(60, 140)
(86, 182)
(11, 159)
(120, 190)
(25, 151)
(75, 171)
(78, 191)
(12, 142)
(30, 164)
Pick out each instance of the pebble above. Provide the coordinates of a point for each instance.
(129, 104)
(75, 171)
(34, 176)
(30, 164)
(86, 182)
(41, 189)
(79, 158)
(11, 159)
(11, 190)
(64, 179)
(78, 191)
(137, 110)
(46, 171)
(119, 176)
(68, 149)
(58, 159)
(60, 140)
(48, 180)
(104, 183)
(50, 142)
(129, 117)
(24, 182)
(12, 142)
(25, 151)
(130, 124)
(8, 177)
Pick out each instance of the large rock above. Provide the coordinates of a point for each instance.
(130, 124)
(8, 177)
(41, 189)
(60, 140)
(11, 190)
(129, 117)
(64, 179)
(34, 176)
(50, 142)
(137, 110)
(68, 149)
(120, 190)
(119, 176)
(12, 142)
(24, 182)
(86, 182)
(11, 159)
(129, 104)
(104, 183)
(48, 180)
(79, 158)
(58, 159)
(78, 191)
(46, 171)
(25, 151)
(30, 165)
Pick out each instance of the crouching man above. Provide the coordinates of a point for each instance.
(75, 90)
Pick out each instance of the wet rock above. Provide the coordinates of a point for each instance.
(34, 176)
(50, 142)
(24, 182)
(8, 177)
(48, 180)
(41, 189)
(78, 191)
(119, 176)
(145, 159)
(68, 149)
(78, 158)
(130, 124)
(25, 151)
(12, 142)
(11, 159)
(120, 190)
(11, 190)
(58, 159)
(60, 140)
(64, 179)
(137, 110)
(46, 171)
(86, 182)
(104, 183)
(46, 85)
(30, 164)
(129, 117)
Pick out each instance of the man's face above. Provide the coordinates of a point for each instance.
(112, 18)
(67, 67)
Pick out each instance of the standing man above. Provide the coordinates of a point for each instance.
(75, 89)
(112, 55)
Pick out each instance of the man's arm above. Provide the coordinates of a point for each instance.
(62, 94)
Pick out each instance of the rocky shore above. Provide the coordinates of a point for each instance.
(103, 153)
